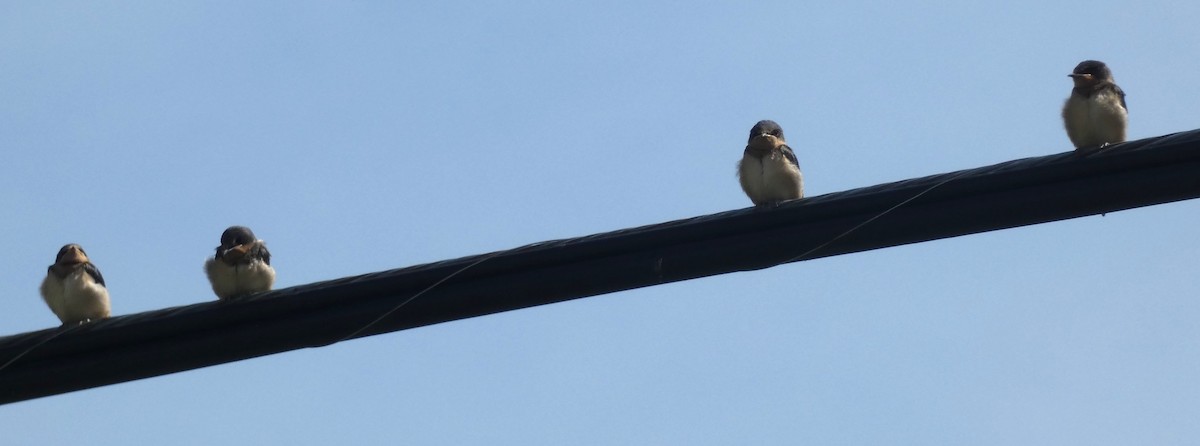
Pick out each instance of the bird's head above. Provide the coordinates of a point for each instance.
(767, 134)
(235, 241)
(71, 254)
(1090, 72)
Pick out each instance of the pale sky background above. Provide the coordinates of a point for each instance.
(362, 136)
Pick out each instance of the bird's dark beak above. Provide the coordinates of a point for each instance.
(1079, 76)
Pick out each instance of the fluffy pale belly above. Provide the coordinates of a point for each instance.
(75, 298)
(768, 180)
(236, 280)
(1095, 121)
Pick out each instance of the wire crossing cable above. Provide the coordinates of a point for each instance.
(1015, 193)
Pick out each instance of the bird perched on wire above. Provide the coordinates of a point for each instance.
(1095, 114)
(242, 265)
(769, 171)
(74, 288)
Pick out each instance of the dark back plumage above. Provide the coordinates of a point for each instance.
(91, 270)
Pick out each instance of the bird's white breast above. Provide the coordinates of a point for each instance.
(770, 178)
(1095, 120)
(76, 297)
(239, 279)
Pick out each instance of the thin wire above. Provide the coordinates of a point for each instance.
(876, 217)
(39, 344)
(415, 296)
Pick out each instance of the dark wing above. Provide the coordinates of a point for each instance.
(91, 270)
(789, 154)
(259, 251)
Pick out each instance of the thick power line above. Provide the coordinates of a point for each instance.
(1016, 193)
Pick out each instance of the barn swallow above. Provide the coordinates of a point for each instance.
(769, 172)
(242, 265)
(1095, 114)
(74, 288)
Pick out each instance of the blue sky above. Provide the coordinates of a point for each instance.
(362, 136)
